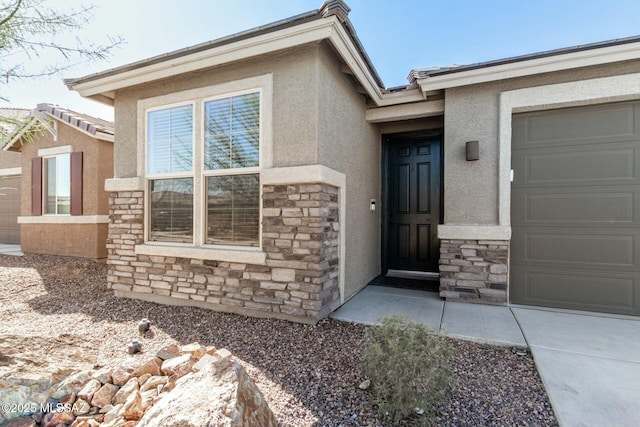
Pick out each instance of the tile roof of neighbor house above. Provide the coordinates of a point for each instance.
(423, 73)
(98, 128)
(328, 8)
(84, 122)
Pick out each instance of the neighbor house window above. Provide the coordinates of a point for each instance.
(170, 169)
(226, 197)
(57, 185)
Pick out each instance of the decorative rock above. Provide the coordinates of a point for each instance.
(211, 350)
(220, 394)
(364, 385)
(71, 384)
(121, 375)
(81, 407)
(131, 386)
(194, 349)
(54, 418)
(133, 408)
(85, 422)
(105, 409)
(168, 352)
(143, 378)
(147, 398)
(223, 353)
(116, 422)
(68, 399)
(103, 375)
(204, 360)
(103, 396)
(153, 382)
(151, 367)
(89, 389)
(179, 366)
(114, 413)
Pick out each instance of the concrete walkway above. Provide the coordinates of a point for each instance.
(589, 363)
(10, 249)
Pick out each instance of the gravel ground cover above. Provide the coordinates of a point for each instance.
(57, 311)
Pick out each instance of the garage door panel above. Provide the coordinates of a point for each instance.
(576, 207)
(610, 164)
(588, 125)
(587, 249)
(575, 289)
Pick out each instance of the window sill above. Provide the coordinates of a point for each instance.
(243, 256)
(64, 219)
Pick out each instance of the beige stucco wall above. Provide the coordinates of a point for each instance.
(77, 240)
(294, 105)
(348, 144)
(471, 113)
(10, 159)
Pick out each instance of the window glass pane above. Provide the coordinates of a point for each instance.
(170, 140)
(233, 210)
(49, 186)
(171, 210)
(232, 132)
(63, 184)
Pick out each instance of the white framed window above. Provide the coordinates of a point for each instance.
(169, 153)
(56, 185)
(204, 151)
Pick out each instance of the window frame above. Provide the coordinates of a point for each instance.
(44, 180)
(263, 86)
(230, 171)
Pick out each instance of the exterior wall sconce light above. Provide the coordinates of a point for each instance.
(473, 150)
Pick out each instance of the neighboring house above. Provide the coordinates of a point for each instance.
(10, 176)
(65, 161)
(270, 173)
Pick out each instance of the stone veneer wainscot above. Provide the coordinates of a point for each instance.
(474, 270)
(299, 280)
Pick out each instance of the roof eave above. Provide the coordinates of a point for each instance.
(102, 86)
(545, 64)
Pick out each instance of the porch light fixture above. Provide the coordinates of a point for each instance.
(473, 150)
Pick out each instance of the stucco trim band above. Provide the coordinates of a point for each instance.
(64, 219)
(124, 184)
(10, 171)
(204, 253)
(405, 111)
(473, 232)
(311, 174)
(584, 92)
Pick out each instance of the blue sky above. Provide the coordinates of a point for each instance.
(398, 35)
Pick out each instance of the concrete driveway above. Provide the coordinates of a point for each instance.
(589, 364)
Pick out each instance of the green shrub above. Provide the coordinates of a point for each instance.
(407, 365)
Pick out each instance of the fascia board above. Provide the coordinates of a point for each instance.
(309, 32)
(405, 111)
(567, 61)
(349, 53)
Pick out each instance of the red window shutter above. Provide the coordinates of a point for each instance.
(36, 186)
(76, 183)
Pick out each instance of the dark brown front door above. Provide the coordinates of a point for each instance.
(413, 202)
